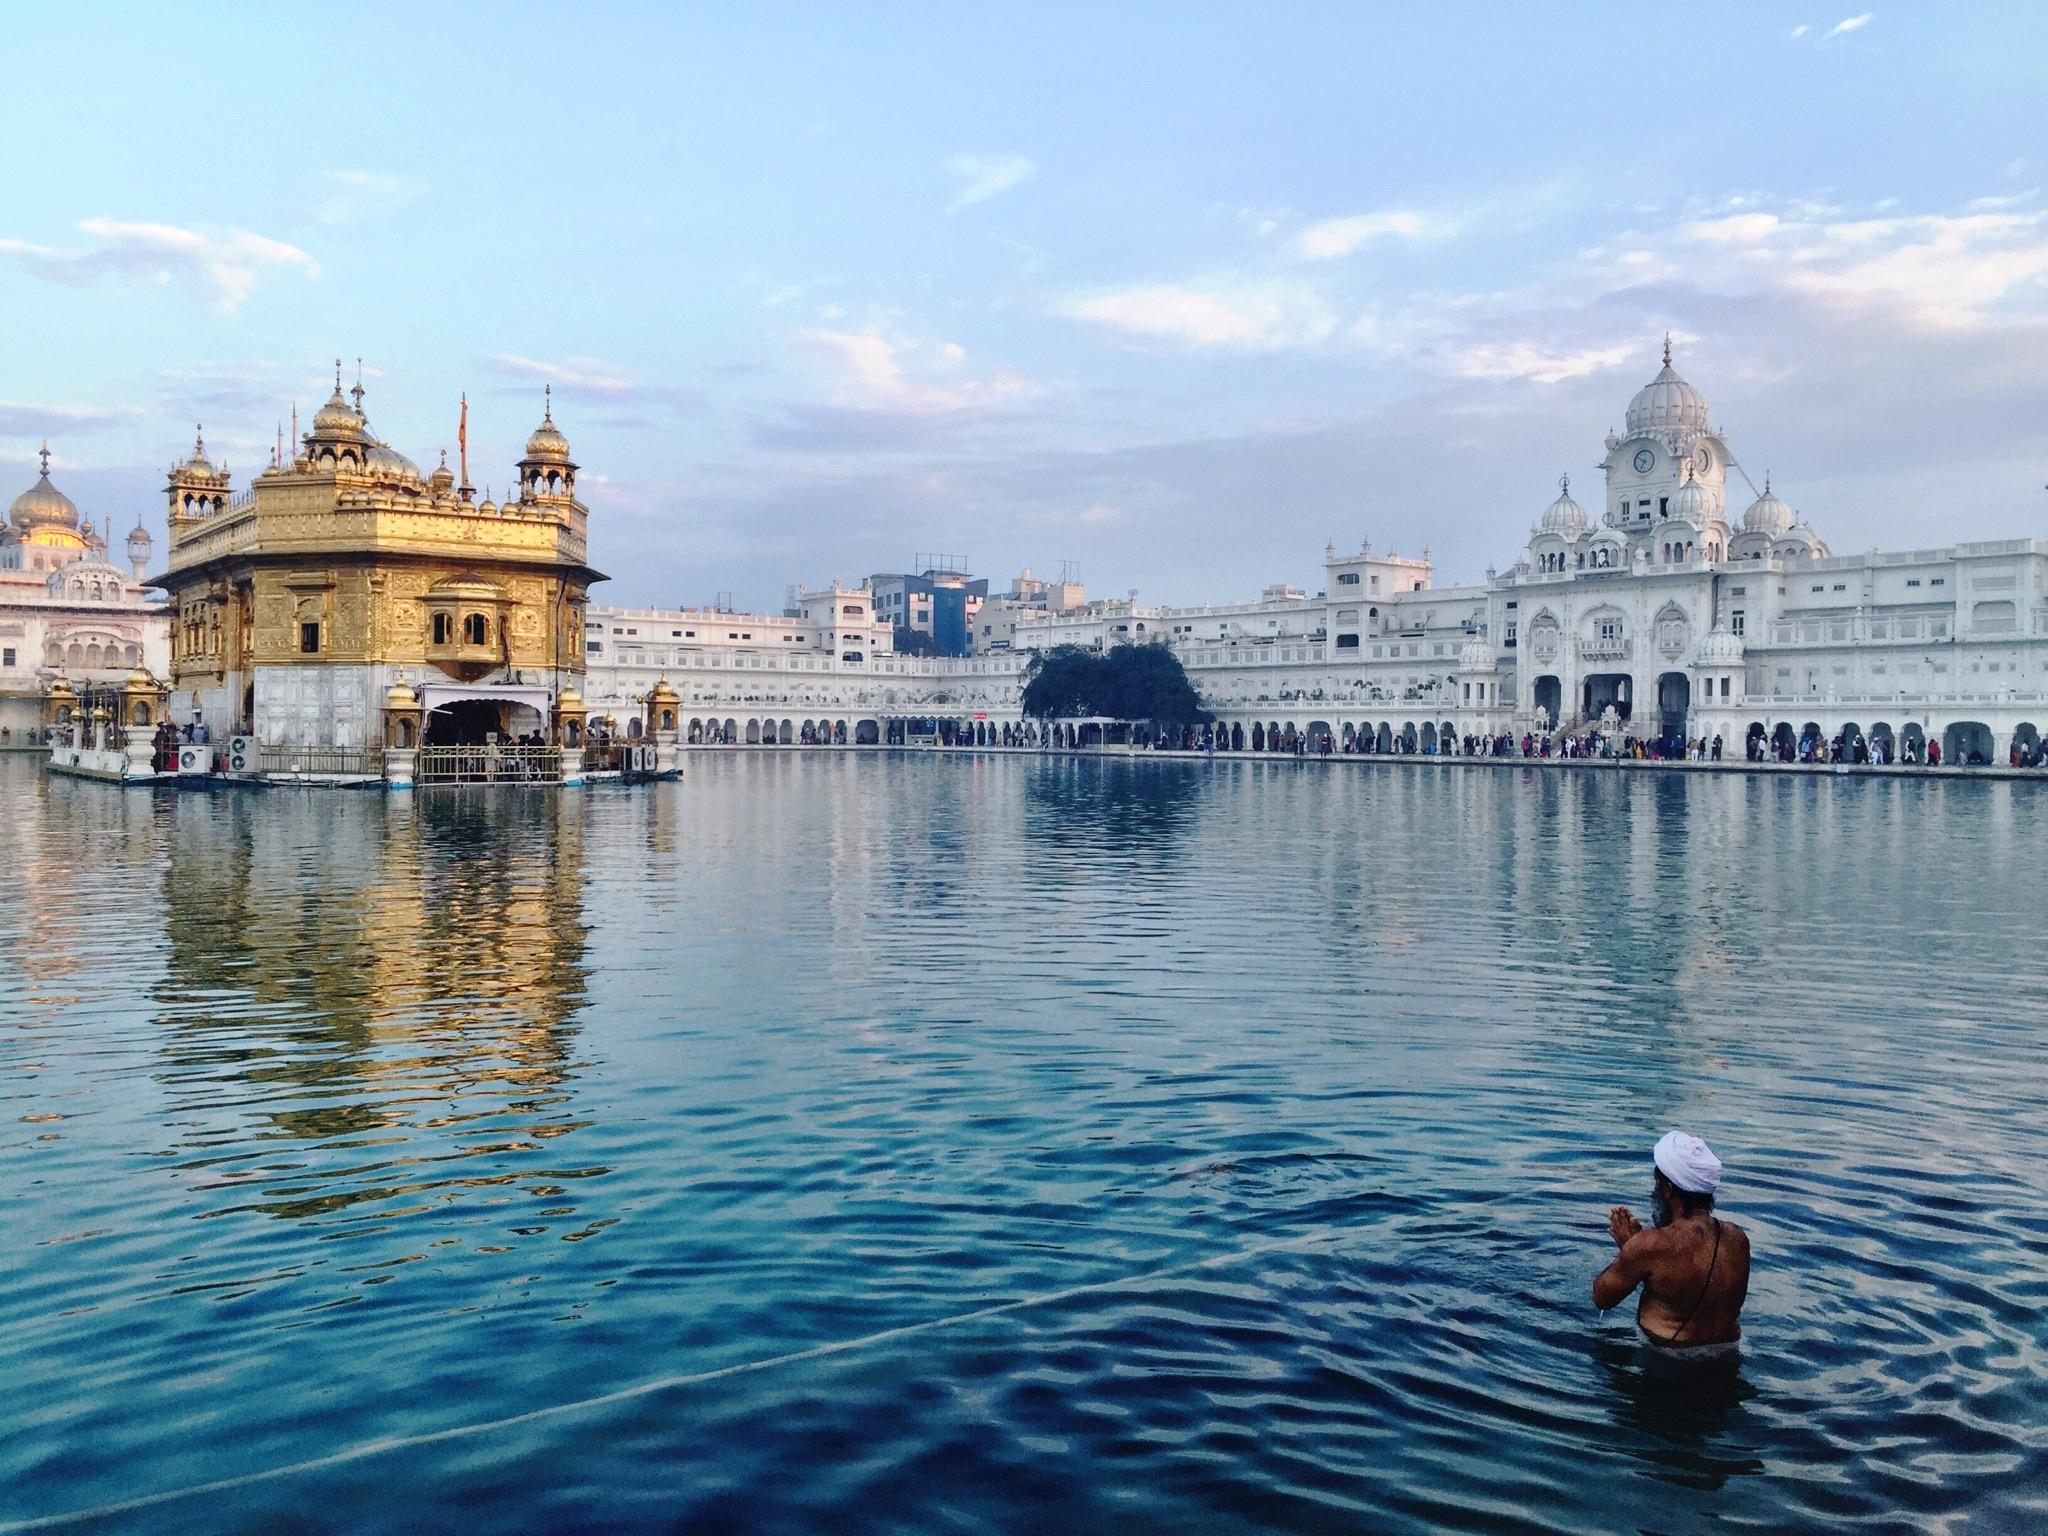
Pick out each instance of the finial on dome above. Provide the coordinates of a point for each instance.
(547, 412)
(1564, 485)
(45, 456)
(337, 375)
(357, 392)
(1767, 482)
(1667, 349)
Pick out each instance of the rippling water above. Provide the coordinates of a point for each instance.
(1289, 1100)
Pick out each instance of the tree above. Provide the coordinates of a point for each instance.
(915, 642)
(1128, 682)
(1060, 682)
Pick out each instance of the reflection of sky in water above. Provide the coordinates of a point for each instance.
(336, 1117)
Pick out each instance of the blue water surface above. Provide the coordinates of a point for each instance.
(1170, 1146)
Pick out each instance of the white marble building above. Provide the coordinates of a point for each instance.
(1682, 617)
(66, 610)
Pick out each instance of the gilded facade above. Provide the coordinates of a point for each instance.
(343, 571)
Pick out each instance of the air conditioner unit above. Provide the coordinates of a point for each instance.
(192, 758)
(241, 754)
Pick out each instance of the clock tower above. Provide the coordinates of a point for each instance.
(1667, 442)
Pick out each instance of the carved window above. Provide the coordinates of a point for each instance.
(444, 628)
(476, 629)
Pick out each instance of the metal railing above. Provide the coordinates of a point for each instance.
(488, 764)
(338, 761)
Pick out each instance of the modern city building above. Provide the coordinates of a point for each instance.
(67, 611)
(940, 601)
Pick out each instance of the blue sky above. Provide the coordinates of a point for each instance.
(1178, 292)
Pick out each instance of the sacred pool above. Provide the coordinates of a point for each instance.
(846, 1143)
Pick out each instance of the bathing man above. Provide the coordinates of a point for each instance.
(1693, 1266)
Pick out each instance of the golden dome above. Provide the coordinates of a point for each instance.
(568, 698)
(337, 418)
(383, 459)
(443, 478)
(42, 505)
(401, 696)
(547, 443)
(198, 460)
(139, 681)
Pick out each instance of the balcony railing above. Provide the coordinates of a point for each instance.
(1607, 649)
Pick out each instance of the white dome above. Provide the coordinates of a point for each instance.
(1767, 514)
(1476, 657)
(1719, 649)
(1564, 516)
(1690, 502)
(1667, 403)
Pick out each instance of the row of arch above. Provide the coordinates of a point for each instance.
(1963, 742)
(757, 732)
(57, 654)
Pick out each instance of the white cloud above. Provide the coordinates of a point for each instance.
(981, 177)
(1736, 229)
(1231, 312)
(1800, 31)
(1537, 362)
(1939, 271)
(588, 374)
(876, 372)
(228, 263)
(1849, 24)
(359, 195)
(1331, 238)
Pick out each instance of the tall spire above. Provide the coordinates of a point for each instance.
(547, 414)
(1667, 349)
(46, 458)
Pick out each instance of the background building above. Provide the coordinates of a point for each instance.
(941, 602)
(66, 610)
(1681, 620)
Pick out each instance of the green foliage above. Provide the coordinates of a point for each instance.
(1128, 682)
(915, 642)
(1060, 683)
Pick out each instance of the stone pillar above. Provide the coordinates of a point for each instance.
(664, 714)
(60, 713)
(403, 722)
(143, 701)
(572, 765)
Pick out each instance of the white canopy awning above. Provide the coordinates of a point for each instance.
(435, 696)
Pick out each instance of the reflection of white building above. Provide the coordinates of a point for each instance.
(66, 610)
(1682, 617)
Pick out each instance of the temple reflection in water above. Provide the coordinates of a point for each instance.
(407, 1005)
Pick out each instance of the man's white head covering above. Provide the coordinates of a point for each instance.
(1688, 1163)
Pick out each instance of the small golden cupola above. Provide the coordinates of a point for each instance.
(198, 487)
(547, 473)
